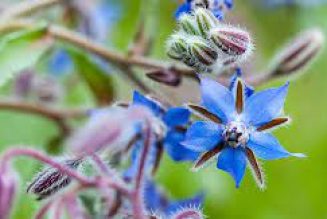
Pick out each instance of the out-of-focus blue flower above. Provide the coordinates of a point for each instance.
(97, 19)
(60, 63)
(216, 6)
(238, 127)
(157, 202)
(173, 120)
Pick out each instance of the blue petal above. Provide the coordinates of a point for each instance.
(155, 200)
(195, 202)
(267, 147)
(203, 136)
(232, 86)
(264, 106)
(217, 99)
(138, 98)
(177, 151)
(60, 63)
(233, 161)
(131, 171)
(184, 8)
(229, 3)
(176, 116)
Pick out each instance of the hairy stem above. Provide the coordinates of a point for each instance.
(138, 205)
(58, 116)
(83, 42)
(23, 151)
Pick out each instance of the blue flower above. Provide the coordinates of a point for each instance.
(157, 202)
(96, 22)
(174, 121)
(237, 127)
(216, 6)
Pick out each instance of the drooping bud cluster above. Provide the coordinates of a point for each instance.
(208, 45)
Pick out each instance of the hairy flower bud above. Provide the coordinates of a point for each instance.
(202, 51)
(8, 185)
(176, 47)
(188, 213)
(205, 21)
(108, 129)
(188, 25)
(51, 180)
(299, 53)
(231, 41)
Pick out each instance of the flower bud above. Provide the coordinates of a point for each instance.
(51, 180)
(188, 25)
(299, 53)
(188, 213)
(232, 41)
(203, 52)
(8, 186)
(205, 21)
(169, 77)
(176, 47)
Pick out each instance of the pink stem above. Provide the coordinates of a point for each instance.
(45, 159)
(42, 212)
(138, 205)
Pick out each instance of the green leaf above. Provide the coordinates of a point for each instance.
(21, 50)
(100, 82)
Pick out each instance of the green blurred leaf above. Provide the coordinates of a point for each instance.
(100, 83)
(21, 50)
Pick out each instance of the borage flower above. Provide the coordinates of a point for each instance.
(217, 7)
(157, 202)
(238, 127)
(170, 130)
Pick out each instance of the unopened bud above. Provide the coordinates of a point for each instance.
(232, 41)
(188, 213)
(188, 25)
(51, 180)
(299, 53)
(205, 21)
(203, 52)
(176, 47)
(166, 76)
(8, 186)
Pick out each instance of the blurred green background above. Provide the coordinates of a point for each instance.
(296, 188)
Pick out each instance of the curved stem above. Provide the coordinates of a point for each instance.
(83, 42)
(58, 116)
(138, 205)
(23, 151)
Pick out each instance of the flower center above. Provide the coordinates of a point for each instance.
(236, 134)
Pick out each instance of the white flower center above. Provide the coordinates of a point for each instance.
(236, 134)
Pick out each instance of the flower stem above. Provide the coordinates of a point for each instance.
(138, 205)
(23, 151)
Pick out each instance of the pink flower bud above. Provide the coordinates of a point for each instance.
(188, 213)
(299, 53)
(109, 129)
(230, 40)
(51, 180)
